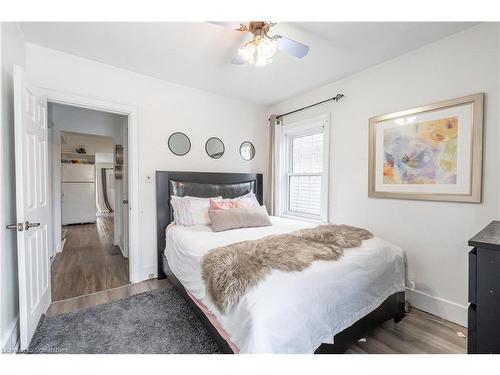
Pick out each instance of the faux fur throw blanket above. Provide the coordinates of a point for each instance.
(229, 271)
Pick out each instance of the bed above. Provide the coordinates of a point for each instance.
(289, 312)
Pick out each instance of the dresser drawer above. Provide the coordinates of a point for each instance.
(472, 275)
(488, 301)
(488, 278)
(471, 330)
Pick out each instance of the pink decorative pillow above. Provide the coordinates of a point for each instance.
(222, 204)
(245, 201)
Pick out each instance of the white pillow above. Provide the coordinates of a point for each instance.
(199, 209)
(251, 198)
(191, 210)
(182, 212)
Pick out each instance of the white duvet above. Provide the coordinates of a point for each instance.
(291, 312)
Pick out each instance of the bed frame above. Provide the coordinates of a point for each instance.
(230, 185)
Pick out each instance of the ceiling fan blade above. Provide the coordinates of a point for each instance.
(237, 60)
(292, 47)
(231, 25)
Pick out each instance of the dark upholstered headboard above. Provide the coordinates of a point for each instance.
(198, 184)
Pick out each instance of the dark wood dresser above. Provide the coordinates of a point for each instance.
(484, 291)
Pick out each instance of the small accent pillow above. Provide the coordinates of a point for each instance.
(239, 218)
(245, 201)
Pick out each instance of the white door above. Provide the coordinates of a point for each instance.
(32, 204)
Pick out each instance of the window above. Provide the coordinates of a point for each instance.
(304, 188)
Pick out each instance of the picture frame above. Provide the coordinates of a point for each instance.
(432, 152)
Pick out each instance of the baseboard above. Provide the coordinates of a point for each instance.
(63, 242)
(123, 252)
(440, 307)
(149, 272)
(10, 341)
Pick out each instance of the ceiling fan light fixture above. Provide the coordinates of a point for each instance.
(262, 61)
(265, 51)
(259, 51)
(247, 52)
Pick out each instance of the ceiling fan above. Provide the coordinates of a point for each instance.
(261, 49)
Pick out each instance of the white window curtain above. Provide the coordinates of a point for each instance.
(271, 169)
(104, 190)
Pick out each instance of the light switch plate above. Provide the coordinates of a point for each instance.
(149, 178)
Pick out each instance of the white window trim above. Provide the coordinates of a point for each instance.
(283, 163)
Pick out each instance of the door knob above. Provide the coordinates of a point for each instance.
(18, 226)
(28, 225)
(125, 201)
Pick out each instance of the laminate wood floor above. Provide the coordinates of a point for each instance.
(417, 333)
(89, 262)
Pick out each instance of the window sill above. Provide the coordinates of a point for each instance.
(303, 218)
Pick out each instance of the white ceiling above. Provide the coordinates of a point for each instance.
(199, 54)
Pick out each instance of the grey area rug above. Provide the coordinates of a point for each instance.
(159, 321)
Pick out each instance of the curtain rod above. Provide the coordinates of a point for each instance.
(336, 98)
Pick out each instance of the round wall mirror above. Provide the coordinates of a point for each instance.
(214, 148)
(179, 143)
(247, 150)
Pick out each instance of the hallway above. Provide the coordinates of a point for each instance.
(89, 262)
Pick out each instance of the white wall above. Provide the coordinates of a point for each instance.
(433, 234)
(162, 108)
(12, 52)
(93, 144)
(80, 120)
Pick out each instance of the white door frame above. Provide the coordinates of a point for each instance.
(54, 96)
(3, 219)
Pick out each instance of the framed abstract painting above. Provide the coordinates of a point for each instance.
(428, 153)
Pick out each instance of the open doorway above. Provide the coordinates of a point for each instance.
(89, 200)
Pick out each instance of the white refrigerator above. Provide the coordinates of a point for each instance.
(78, 193)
